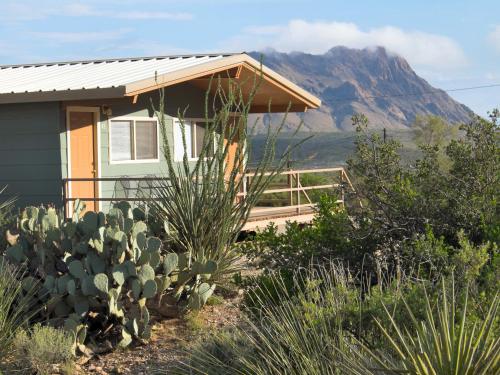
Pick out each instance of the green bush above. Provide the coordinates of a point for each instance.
(42, 349)
(453, 186)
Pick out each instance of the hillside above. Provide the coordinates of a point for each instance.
(375, 82)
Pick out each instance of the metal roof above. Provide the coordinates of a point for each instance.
(93, 74)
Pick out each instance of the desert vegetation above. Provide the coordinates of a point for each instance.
(403, 278)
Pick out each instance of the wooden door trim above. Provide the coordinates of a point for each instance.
(97, 147)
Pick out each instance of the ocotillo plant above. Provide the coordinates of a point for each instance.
(202, 201)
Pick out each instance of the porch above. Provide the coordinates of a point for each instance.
(291, 196)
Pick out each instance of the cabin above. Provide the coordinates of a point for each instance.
(87, 129)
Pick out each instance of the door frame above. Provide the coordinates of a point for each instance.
(97, 148)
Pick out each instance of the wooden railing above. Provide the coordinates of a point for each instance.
(293, 197)
(298, 199)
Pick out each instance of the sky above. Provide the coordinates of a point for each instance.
(451, 43)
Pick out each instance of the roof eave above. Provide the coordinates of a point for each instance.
(62, 95)
(229, 62)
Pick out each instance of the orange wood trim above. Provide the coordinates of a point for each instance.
(238, 72)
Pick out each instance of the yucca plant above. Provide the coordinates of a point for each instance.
(5, 206)
(295, 335)
(445, 343)
(15, 305)
(203, 201)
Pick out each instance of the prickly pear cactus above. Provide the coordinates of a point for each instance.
(99, 271)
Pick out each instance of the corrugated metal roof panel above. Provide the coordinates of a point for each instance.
(78, 75)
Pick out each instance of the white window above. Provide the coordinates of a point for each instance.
(194, 133)
(133, 140)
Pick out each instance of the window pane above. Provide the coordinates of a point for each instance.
(200, 135)
(178, 145)
(121, 140)
(146, 140)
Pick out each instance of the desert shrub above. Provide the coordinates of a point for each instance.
(442, 344)
(325, 324)
(427, 219)
(332, 235)
(379, 279)
(293, 336)
(42, 349)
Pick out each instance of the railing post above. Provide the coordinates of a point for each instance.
(342, 197)
(298, 192)
(65, 210)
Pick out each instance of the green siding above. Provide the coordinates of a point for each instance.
(30, 152)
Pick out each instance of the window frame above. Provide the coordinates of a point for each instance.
(133, 135)
(193, 138)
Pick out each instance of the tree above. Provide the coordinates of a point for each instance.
(461, 193)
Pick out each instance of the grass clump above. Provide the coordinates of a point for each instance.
(194, 322)
(215, 300)
(43, 349)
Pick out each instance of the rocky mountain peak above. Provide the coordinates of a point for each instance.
(373, 81)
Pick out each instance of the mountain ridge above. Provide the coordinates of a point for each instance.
(372, 81)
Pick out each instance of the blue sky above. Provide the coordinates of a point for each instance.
(452, 44)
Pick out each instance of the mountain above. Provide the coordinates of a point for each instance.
(373, 81)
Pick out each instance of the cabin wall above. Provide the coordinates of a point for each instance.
(30, 152)
(34, 152)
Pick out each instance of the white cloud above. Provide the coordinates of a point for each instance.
(494, 38)
(419, 48)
